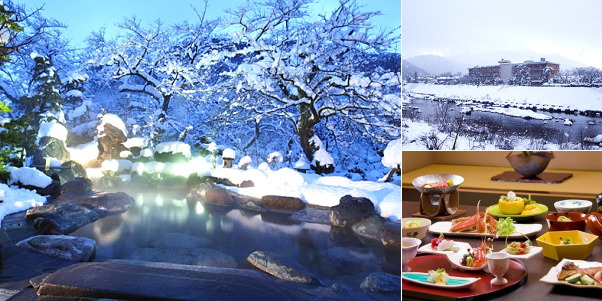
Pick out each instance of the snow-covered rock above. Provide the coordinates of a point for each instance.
(392, 154)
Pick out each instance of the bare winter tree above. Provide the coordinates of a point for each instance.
(155, 60)
(310, 71)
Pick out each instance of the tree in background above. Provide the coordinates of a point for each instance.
(308, 72)
(154, 62)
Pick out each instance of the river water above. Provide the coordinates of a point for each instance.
(328, 255)
(553, 131)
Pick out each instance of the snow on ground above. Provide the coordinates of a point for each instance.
(579, 98)
(16, 199)
(314, 189)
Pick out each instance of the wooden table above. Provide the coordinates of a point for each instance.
(537, 267)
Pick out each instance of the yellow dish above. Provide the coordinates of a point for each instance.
(583, 244)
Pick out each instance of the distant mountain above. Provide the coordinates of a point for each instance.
(409, 69)
(435, 65)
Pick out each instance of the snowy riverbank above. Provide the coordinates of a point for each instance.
(574, 98)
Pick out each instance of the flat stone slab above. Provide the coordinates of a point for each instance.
(63, 246)
(123, 281)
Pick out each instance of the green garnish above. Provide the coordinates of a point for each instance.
(505, 226)
(529, 201)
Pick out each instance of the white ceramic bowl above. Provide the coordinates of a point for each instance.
(573, 205)
(418, 232)
(409, 248)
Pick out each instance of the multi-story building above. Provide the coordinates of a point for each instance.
(530, 73)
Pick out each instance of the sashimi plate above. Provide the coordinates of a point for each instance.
(456, 248)
(452, 283)
(552, 276)
(521, 231)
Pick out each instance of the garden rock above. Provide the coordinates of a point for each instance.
(213, 195)
(392, 235)
(69, 171)
(103, 203)
(109, 142)
(381, 283)
(282, 204)
(369, 229)
(46, 226)
(190, 256)
(278, 266)
(77, 185)
(50, 147)
(68, 217)
(63, 246)
(351, 210)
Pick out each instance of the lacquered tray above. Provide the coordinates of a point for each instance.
(482, 289)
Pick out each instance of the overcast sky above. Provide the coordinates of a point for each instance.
(85, 16)
(572, 28)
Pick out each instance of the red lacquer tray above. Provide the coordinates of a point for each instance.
(482, 289)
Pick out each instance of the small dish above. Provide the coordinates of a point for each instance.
(418, 231)
(582, 245)
(456, 257)
(495, 211)
(452, 283)
(577, 221)
(532, 252)
(573, 205)
(594, 223)
(551, 276)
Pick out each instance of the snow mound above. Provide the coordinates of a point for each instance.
(29, 176)
(392, 154)
(176, 147)
(53, 129)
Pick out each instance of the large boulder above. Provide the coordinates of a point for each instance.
(71, 170)
(369, 230)
(280, 267)
(103, 203)
(392, 235)
(63, 246)
(381, 283)
(213, 196)
(110, 142)
(282, 204)
(351, 210)
(77, 185)
(50, 147)
(67, 217)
